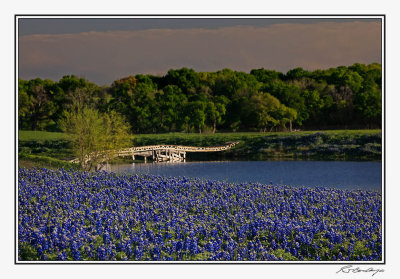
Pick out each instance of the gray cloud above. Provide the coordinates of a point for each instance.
(29, 26)
(105, 56)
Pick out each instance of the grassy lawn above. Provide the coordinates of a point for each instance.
(256, 134)
(53, 136)
(41, 136)
(44, 149)
(220, 138)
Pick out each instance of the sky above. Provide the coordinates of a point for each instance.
(103, 50)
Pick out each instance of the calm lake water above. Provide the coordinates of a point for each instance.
(335, 174)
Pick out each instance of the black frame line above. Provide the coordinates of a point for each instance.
(382, 17)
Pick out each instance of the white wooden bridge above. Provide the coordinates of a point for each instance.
(160, 153)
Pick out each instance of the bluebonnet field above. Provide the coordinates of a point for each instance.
(72, 215)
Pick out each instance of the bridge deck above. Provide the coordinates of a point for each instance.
(171, 151)
(177, 148)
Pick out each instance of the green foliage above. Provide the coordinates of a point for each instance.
(226, 100)
(215, 111)
(28, 253)
(121, 256)
(170, 102)
(29, 160)
(186, 79)
(116, 133)
(285, 255)
(268, 109)
(198, 116)
(95, 137)
(360, 249)
(36, 104)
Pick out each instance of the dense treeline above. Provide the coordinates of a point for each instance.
(185, 100)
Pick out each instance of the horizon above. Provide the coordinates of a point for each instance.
(163, 75)
(103, 50)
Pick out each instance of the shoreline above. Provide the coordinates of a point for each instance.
(54, 149)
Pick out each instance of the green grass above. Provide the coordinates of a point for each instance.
(255, 134)
(44, 144)
(35, 161)
(41, 136)
(221, 138)
(54, 136)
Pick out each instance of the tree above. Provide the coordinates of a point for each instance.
(24, 105)
(289, 115)
(96, 137)
(230, 83)
(71, 91)
(296, 73)
(338, 97)
(186, 79)
(215, 110)
(290, 95)
(368, 104)
(266, 108)
(134, 97)
(116, 132)
(266, 76)
(195, 113)
(169, 102)
(314, 103)
(38, 102)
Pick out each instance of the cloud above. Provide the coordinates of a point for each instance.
(105, 56)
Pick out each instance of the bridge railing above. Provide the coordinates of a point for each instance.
(180, 147)
(133, 150)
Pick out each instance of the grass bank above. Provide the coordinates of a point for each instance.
(53, 149)
(44, 149)
(313, 145)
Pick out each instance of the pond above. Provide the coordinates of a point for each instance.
(333, 174)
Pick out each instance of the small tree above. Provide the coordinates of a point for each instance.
(96, 138)
(266, 108)
(288, 115)
(116, 134)
(215, 110)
